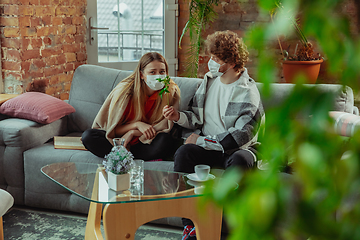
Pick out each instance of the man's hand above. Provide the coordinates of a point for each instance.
(170, 113)
(146, 129)
(192, 139)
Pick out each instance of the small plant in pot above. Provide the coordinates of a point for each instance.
(304, 61)
(117, 164)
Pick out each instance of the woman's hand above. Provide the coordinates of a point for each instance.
(146, 129)
(128, 137)
(170, 113)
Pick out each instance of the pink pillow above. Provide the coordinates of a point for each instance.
(36, 106)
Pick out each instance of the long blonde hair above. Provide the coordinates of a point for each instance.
(136, 90)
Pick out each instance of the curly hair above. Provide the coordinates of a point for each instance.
(227, 46)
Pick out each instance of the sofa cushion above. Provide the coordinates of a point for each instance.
(343, 101)
(89, 88)
(38, 107)
(188, 87)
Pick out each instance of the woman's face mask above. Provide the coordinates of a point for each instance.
(153, 83)
(214, 67)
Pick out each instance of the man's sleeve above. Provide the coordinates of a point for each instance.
(242, 134)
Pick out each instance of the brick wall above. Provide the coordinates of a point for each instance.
(45, 39)
(42, 40)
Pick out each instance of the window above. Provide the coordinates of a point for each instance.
(123, 30)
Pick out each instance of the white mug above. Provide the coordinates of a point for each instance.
(202, 171)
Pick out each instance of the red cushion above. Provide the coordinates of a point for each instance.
(38, 107)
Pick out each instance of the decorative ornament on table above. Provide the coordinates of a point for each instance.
(117, 164)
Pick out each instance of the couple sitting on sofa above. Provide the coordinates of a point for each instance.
(226, 109)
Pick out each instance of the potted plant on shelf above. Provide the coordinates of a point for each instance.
(304, 61)
(117, 164)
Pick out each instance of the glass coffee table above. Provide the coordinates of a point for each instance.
(161, 194)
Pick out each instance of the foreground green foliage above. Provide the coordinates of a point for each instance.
(321, 199)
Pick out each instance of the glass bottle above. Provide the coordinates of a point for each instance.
(118, 143)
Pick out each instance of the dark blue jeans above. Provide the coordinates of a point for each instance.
(190, 155)
(163, 146)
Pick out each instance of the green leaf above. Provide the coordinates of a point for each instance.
(267, 5)
(226, 184)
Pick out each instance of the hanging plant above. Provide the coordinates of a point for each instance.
(201, 13)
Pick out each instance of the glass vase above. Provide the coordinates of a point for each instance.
(118, 143)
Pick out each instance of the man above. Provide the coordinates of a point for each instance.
(226, 108)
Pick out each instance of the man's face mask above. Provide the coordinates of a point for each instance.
(214, 68)
(153, 83)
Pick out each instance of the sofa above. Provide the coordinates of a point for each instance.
(26, 146)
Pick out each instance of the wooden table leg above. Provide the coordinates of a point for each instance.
(93, 223)
(1, 229)
(122, 220)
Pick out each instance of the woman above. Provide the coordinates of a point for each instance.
(133, 111)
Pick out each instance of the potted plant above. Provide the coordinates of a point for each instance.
(303, 61)
(117, 164)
